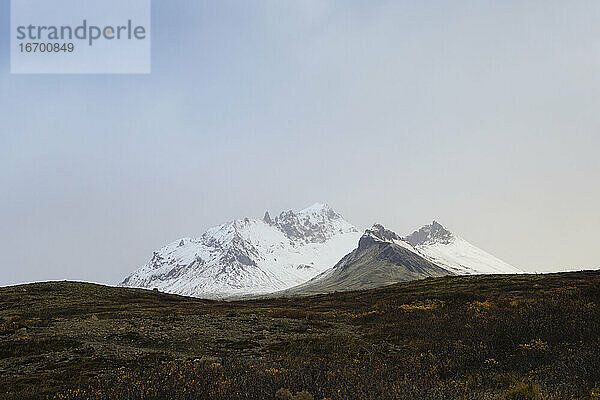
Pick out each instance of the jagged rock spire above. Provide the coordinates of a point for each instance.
(267, 218)
(429, 234)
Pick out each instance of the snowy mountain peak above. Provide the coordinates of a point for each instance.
(315, 224)
(430, 234)
(318, 208)
(379, 232)
(455, 254)
(250, 256)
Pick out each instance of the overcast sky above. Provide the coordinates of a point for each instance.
(483, 115)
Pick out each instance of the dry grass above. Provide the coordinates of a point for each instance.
(503, 337)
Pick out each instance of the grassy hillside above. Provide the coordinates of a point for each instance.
(484, 337)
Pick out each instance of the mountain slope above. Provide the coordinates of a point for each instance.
(450, 251)
(382, 258)
(254, 257)
(250, 256)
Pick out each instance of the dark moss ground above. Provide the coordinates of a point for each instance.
(484, 337)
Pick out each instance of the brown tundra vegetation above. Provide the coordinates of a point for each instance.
(479, 337)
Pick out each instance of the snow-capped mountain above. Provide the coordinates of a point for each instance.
(250, 256)
(382, 258)
(450, 251)
(259, 256)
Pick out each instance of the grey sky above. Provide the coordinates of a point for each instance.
(483, 115)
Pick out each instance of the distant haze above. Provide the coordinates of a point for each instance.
(481, 115)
